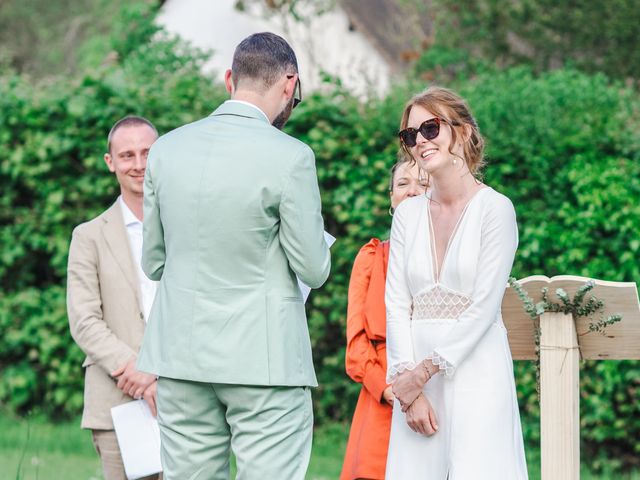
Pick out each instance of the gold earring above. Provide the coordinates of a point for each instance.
(391, 210)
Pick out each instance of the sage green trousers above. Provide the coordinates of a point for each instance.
(269, 430)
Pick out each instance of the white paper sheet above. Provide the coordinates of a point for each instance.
(305, 289)
(138, 437)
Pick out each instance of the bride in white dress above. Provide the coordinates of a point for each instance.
(456, 415)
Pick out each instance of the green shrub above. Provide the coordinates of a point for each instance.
(41, 363)
(545, 33)
(53, 177)
(563, 146)
(354, 146)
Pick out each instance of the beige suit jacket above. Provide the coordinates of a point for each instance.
(104, 308)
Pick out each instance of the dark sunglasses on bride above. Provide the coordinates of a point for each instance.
(429, 129)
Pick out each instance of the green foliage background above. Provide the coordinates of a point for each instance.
(44, 38)
(53, 177)
(593, 36)
(563, 145)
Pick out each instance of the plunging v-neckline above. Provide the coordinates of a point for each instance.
(439, 268)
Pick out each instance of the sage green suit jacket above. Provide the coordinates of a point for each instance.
(231, 216)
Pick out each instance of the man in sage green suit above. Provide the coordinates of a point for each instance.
(232, 216)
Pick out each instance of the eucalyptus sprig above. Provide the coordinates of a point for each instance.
(603, 323)
(577, 307)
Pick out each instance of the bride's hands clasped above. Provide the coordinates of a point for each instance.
(409, 384)
(421, 417)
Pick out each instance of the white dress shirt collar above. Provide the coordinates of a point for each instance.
(127, 215)
(251, 105)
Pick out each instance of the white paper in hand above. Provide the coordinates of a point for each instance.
(138, 437)
(305, 289)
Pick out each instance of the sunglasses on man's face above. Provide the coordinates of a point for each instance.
(429, 129)
(297, 94)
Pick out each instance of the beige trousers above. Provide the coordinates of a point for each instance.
(106, 444)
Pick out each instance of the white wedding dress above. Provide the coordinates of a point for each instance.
(453, 317)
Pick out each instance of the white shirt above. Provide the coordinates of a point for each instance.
(133, 226)
(251, 105)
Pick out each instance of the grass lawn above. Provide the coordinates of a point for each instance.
(63, 451)
(53, 451)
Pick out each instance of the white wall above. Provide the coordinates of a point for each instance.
(321, 43)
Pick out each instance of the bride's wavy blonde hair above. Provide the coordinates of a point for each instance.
(452, 108)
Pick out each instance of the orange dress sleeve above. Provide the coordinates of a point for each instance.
(361, 360)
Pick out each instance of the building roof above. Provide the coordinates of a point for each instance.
(399, 30)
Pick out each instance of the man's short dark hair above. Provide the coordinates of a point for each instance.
(262, 58)
(128, 121)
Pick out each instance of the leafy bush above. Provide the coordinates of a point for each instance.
(52, 139)
(563, 146)
(545, 34)
(44, 363)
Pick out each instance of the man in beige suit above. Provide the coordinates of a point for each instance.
(108, 296)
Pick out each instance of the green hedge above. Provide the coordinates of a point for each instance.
(563, 146)
(53, 177)
(544, 33)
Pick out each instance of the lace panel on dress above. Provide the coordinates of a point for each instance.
(439, 303)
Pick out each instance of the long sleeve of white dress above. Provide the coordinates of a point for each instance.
(499, 241)
(398, 300)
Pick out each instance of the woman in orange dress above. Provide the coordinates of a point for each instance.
(366, 357)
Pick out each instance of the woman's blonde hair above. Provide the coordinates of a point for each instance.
(451, 108)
